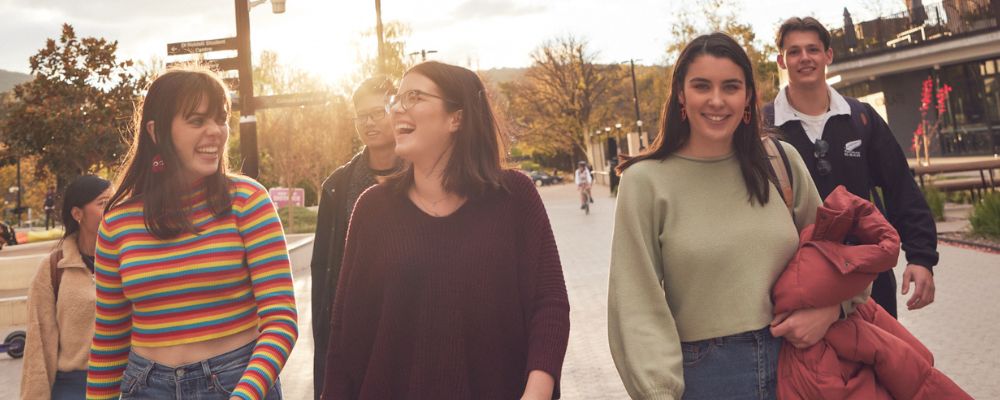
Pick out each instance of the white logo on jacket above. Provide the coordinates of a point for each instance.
(850, 149)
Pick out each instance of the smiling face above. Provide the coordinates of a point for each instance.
(422, 123)
(374, 129)
(715, 98)
(199, 140)
(804, 57)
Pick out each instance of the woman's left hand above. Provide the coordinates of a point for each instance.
(540, 386)
(805, 327)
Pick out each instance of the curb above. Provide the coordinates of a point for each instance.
(969, 244)
(301, 242)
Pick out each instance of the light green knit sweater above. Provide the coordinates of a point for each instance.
(693, 259)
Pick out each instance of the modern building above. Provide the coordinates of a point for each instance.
(886, 61)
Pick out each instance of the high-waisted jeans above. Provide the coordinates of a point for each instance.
(736, 367)
(214, 378)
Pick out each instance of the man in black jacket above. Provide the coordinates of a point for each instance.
(340, 191)
(845, 142)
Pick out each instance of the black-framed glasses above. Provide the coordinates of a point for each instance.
(823, 166)
(374, 115)
(410, 98)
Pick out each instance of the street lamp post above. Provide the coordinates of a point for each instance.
(248, 119)
(381, 38)
(635, 99)
(423, 54)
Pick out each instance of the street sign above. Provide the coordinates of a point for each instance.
(201, 46)
(222, 64)
(291, 100)
(283, 197)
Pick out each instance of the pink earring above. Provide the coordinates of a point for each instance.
(158, 164)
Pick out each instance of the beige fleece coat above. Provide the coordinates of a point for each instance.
(59, 335)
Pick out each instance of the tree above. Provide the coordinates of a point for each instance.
(73, 117)
(555, 106)
(762, 55)
(300, 144)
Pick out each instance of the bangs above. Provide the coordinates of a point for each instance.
(203, 87)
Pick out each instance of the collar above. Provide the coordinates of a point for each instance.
(71, 253)
(783, 111)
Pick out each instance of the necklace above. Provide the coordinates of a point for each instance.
(433, 203)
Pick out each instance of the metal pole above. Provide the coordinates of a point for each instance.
(635, 100)
(381, 39)
(18, 210)
(248, 119)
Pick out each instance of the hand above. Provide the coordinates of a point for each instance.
(540, 386)
(923, 280)
(805, 327)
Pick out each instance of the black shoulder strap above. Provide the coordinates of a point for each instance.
(861, 122)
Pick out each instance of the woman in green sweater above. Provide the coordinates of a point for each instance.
(701, 234)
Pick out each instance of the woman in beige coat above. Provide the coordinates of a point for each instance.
(61, 300)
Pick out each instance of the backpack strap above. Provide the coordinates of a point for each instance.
(780, 169)
(861, 122)
(55, 273)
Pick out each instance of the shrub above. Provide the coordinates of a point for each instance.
(935, 200)
(985, 219)
(303, 219)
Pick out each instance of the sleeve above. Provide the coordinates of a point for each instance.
(337, 382)
(41, 350)
(271, 278)
(807, 200)
(906, 207)
(645, 345)
(113, 321)
(319, 264)
(548, 326)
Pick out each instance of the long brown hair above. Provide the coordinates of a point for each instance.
(476, 164)
(175, 92)
(676, 132)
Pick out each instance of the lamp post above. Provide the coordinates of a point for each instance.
(248, 119)
(635, 97)
(423, 54)
(381, 38)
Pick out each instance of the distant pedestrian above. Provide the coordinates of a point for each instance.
(451, 286)
(61, 300)
(49, 207)
(193, 276)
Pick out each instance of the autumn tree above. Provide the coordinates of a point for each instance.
(73, 117)
(555, 106)
(300, 144)
(720, 16)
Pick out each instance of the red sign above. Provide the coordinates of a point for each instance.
(283, 197)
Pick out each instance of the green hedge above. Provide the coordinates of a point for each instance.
(303, 220)
(935, 200)
(985, 217)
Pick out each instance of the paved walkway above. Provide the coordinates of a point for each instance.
(960, 328)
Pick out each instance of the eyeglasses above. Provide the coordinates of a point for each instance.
(375, 116)
(410, 98)
(823, 166)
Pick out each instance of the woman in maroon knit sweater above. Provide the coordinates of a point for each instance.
(451, 286)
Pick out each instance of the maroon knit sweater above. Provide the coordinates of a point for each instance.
(457, 307)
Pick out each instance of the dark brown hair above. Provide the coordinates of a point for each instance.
(175, 92)
(675, 132)
(807, 24)
(476, 164)
(375, 86)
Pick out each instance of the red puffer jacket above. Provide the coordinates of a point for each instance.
(868, 355)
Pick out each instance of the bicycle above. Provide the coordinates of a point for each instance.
(587, 199)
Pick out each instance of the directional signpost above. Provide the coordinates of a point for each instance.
(201, 46)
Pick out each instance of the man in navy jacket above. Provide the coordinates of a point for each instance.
(845, 142)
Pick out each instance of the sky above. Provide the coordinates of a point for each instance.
(325, 37)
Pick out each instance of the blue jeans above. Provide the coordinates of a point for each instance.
(736, 367)
(214, 378)
(70, 385)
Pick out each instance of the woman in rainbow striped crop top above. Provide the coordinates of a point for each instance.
(194, 288)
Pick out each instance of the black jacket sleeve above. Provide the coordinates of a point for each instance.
(320, 263)
(905, 205)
